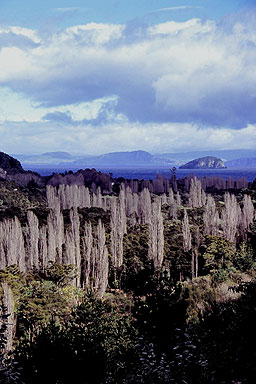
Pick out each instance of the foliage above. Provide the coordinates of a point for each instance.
(244, 259)
(42, 297)
(93, 346)
(8, 373)
(60, 274)
(40, 301)
(217, 253)
(227, 339)
(176, 258)
(147, 367)
(17, 200)
(199, 296)
(160, 312)
(137, 269)
(93, 215)
(219, 349)
(13, 277)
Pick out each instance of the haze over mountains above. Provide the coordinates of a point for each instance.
(122, 159)
(240, 158)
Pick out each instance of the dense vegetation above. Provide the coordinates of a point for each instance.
(164, 290)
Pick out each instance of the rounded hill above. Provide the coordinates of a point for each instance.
(207, 162)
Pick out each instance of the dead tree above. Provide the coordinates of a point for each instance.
(118, 229)
(7, 301)
(247, 215)
(100, 258)
(32, 241)
(156, 235)
(197, 195)
(55, 232)
(211, 217)
(230, 217)
(12, 249)
(144, 209)
(173, 205)
(87, 254)
(186, 233)
(195, 252)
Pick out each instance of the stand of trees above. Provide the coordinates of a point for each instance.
(127, 282)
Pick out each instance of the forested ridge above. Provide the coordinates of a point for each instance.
(108, 280)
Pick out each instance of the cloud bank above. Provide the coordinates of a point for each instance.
(102, 87)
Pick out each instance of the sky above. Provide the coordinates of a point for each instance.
(97, 76)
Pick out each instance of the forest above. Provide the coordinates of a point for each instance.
(106, 280)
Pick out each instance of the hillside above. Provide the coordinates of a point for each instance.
(10, 164)
(58, 155)
(118, 158)
(124, 159)
(241, 163)
(48, 158)
(208, 162)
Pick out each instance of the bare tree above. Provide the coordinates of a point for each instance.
(100, 258)
(247, 215)
(197, 196)
(186, 233)
(195, 252)
(230, 183)
(32, 241)
(145, 210)
(178, 199)
(55, 230)
(7, 300)
(118, 229)
(171, 197)
(173, 180)
(241, 183)
(87, 254)
(12, 249)
(156, 235)
(51, 194)
(43, 247)
(211, 217)
(158, 185)
(164, 199)
(230, 217)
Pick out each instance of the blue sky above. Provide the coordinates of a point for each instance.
(99, 76)
(31, 13)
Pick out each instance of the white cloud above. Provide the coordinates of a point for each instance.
(15, 63)
(15, 108)
(89, 139)
(92, 33)
(151, 89)
(20, 31)
(195, 26)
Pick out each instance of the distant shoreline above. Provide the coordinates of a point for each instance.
(144, 172)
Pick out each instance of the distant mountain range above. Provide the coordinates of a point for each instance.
(51, 158)
(241, 163)
(240, 158)
(114, 159)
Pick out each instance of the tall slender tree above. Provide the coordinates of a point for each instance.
(156, 235)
